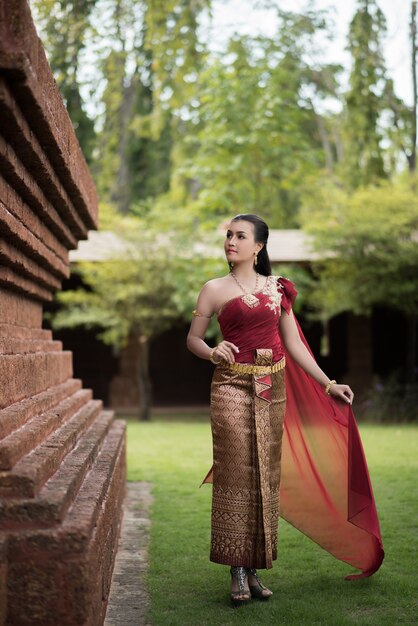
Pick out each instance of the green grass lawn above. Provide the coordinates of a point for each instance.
(174, 454)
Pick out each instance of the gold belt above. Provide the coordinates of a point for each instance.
(260, 370)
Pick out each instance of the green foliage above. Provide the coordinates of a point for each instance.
(209, 134)
(171, 38)
(254, 139)
(149, 160)
(363, 154)
(368, 241)
(145, 58)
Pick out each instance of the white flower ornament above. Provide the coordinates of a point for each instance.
(271, 289)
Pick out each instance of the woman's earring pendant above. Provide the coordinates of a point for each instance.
(255, 259)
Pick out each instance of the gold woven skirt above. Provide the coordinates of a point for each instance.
(247, 416)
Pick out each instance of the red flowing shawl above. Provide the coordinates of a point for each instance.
(325, 489)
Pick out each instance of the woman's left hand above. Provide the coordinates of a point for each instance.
(343, 392)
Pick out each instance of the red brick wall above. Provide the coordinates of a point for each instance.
(62, 457)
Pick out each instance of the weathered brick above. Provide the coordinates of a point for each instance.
(39, 583)
(18, 346)
(57, 210)
(3, 580)
(17, 332)
(17, 176)
(28, 374)
(37, 429)
(22, 54)
(11, 280)
(16, 415)
(89, 501)
(106, 537)
(77, 558)
(62, 458)
(33, 470)
(75, 534)
(19, 225)
(20, 312)
(26, 266)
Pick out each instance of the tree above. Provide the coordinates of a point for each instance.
(403, 119)
(146, 56)
(368, 243)
(254, 140)
(364, 102)
(171, 38)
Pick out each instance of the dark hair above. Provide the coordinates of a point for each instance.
(261, 235)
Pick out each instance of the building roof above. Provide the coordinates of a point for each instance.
(290, 246)
(100, 245)
(284, 246)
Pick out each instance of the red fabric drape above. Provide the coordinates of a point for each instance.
(325, 488)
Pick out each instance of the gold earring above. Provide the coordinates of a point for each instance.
(255, 258)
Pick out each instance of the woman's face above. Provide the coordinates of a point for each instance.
(239, 242)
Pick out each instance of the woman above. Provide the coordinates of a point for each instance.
(248, 403)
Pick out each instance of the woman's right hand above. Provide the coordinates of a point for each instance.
(225, 350)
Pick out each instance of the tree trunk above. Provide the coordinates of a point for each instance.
(323, 136)
(123, 177)
(411, 348)
(144, 382)
(120, 193)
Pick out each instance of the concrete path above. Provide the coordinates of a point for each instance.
(128, 600)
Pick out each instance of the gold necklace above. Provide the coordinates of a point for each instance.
(249, 298)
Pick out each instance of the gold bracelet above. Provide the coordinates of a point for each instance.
(211, 357)
(329, 385)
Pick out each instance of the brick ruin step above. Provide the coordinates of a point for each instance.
(15, 331)
(50, 505)
(33, 470)
(29, 268)
(37, 429)
(71, 564)
(19, 313)
(12, 280)
(19, 226)
(62, 457)
(29, 150)
(24, 65)
(16, 175)
(18, 346)
(29, 374)
(14, 416)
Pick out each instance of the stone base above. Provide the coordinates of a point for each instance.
(61, 509)
(129, 598)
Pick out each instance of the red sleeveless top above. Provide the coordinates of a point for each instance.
(257, 327)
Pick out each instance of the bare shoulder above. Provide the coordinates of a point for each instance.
(215, 284)
(211, 294)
